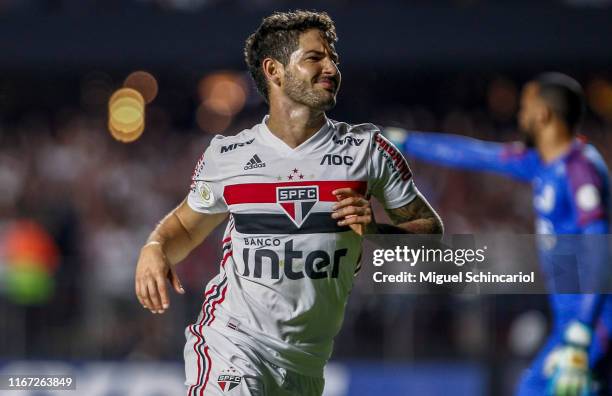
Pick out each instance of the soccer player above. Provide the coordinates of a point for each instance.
(571, 196)
(296, 188)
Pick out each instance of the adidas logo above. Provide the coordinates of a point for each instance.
(255, 162)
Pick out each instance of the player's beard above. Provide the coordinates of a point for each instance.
(301, 92)
(528, 135)
(528, 139)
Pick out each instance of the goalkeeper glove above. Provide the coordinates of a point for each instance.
(567, 366)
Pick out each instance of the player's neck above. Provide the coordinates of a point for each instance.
(553, 143)
(294, 124)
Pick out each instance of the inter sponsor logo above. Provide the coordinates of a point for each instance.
(296, 264)
(297, 202)
(230, 147)
(255, 162)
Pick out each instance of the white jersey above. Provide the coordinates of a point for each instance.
(287, 267)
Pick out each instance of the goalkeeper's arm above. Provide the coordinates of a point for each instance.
(510, 159)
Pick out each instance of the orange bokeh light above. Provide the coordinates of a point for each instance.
(212, 121)
(223, 91)
(143, 82)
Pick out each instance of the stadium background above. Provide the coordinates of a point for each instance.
(76, 205)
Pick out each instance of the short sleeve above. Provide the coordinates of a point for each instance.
(206, 192)
(586, 187)
(389, 176)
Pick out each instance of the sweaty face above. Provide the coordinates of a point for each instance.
(312, 77)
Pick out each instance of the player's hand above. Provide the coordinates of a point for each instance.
(353, 210)
(567, 366)
(152, 272)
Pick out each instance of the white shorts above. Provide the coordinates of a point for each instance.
(216, 365)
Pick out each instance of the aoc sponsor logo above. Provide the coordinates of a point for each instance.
(296, 264)
(230, 147)
(335, 159)
(394, 158)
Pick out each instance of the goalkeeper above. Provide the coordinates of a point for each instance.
(571, 196)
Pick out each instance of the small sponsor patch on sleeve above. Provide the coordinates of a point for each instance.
(587, 197)
(587, 189)
(206, 193)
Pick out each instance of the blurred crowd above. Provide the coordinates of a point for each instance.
(97, 199)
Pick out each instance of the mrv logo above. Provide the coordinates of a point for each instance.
(317, 265)
(297, 202)
(347, 140)
(230, 147)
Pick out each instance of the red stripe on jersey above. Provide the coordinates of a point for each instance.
(212, 289)
(207, 370)
(195, 349)
(212, 311)
(227, 255)
(266, 192)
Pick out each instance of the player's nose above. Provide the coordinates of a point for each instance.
(330, 69)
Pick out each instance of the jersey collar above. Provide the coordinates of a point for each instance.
(576, 147)
(318, 139)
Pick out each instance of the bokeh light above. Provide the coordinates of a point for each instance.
(223, 92)
(31, 257)
(212, 121)
(599, 95)
(95, 89)
(502, 98)
(143, 82)
(126, 115)
(124, 137)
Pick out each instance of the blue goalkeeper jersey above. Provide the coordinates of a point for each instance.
(570, 196)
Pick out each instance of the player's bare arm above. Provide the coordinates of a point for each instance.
(416, 217)
(175, 236)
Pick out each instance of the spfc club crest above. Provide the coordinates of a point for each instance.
(229, 379)
(297, 201)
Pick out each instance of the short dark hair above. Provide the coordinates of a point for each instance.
(278, 36)
(564, 95)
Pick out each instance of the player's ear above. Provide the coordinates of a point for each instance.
(545, 115)
(273, 70)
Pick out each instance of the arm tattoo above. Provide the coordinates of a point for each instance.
(417, 217)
